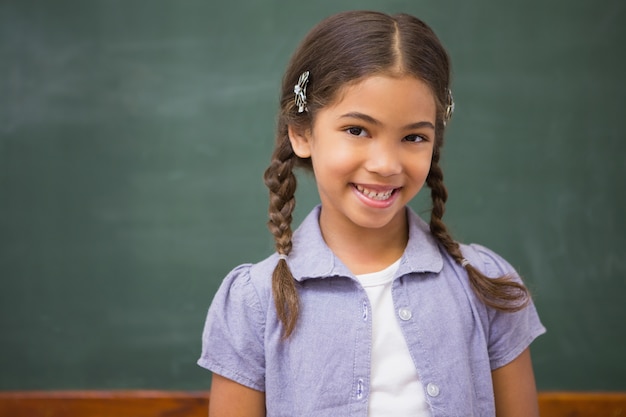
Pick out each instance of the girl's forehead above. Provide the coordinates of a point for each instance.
(399, 88)
(378, 84)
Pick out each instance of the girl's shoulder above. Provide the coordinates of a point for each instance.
(251, 281)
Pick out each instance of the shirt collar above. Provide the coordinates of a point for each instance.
(312, 258)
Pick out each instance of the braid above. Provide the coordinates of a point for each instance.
(502, 293)
(281, 181)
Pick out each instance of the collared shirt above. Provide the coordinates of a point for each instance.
(323, 369)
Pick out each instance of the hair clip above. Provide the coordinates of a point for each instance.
(449, 108)
(300, 91)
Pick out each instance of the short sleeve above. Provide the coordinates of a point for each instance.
(509, 334)
(232, 340)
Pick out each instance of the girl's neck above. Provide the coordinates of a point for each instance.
(366, 250)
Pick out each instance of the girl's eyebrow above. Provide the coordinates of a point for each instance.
(370, 119)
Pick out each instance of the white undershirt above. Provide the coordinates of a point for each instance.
(395, 389)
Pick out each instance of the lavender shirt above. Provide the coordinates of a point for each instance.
(324, 368)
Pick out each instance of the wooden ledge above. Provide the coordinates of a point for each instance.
(196, 404)
(582, 404)
(104, 404)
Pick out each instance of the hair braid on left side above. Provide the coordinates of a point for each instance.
(502, 293)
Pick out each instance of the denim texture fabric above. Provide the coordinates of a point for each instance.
(323, 369)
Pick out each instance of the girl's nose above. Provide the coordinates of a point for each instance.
(384, 159)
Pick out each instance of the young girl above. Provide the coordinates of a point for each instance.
(366, 310)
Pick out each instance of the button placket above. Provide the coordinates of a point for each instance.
(362, 364)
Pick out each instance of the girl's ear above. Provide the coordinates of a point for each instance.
(300, 142)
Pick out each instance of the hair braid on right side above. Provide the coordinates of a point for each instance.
(502, 293)
(281, 182)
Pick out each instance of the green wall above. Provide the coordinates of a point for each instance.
(134, 135)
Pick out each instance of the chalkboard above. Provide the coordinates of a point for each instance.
(134, 135)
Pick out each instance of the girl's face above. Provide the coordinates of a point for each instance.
(371, 151)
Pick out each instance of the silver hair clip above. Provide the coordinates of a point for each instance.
(300, 91)
(449, 108)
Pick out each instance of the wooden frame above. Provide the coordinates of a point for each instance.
(196, 404)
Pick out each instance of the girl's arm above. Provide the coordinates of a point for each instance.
(514, 388)
(230, 399)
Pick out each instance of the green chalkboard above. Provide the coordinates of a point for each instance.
(134, 135)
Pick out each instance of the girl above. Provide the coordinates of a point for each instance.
(366, 310)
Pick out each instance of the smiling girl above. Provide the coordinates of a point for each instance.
(367, 310)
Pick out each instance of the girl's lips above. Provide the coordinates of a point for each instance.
(376, 196)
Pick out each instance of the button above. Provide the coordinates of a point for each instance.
(432, 389)
(405, 314)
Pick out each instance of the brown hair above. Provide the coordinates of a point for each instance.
(342, 50)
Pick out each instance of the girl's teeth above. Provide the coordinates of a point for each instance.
(382, 195)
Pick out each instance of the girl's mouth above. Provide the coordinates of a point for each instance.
(378, 195)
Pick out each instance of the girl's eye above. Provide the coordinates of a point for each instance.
(356, 131)
(415, 138)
